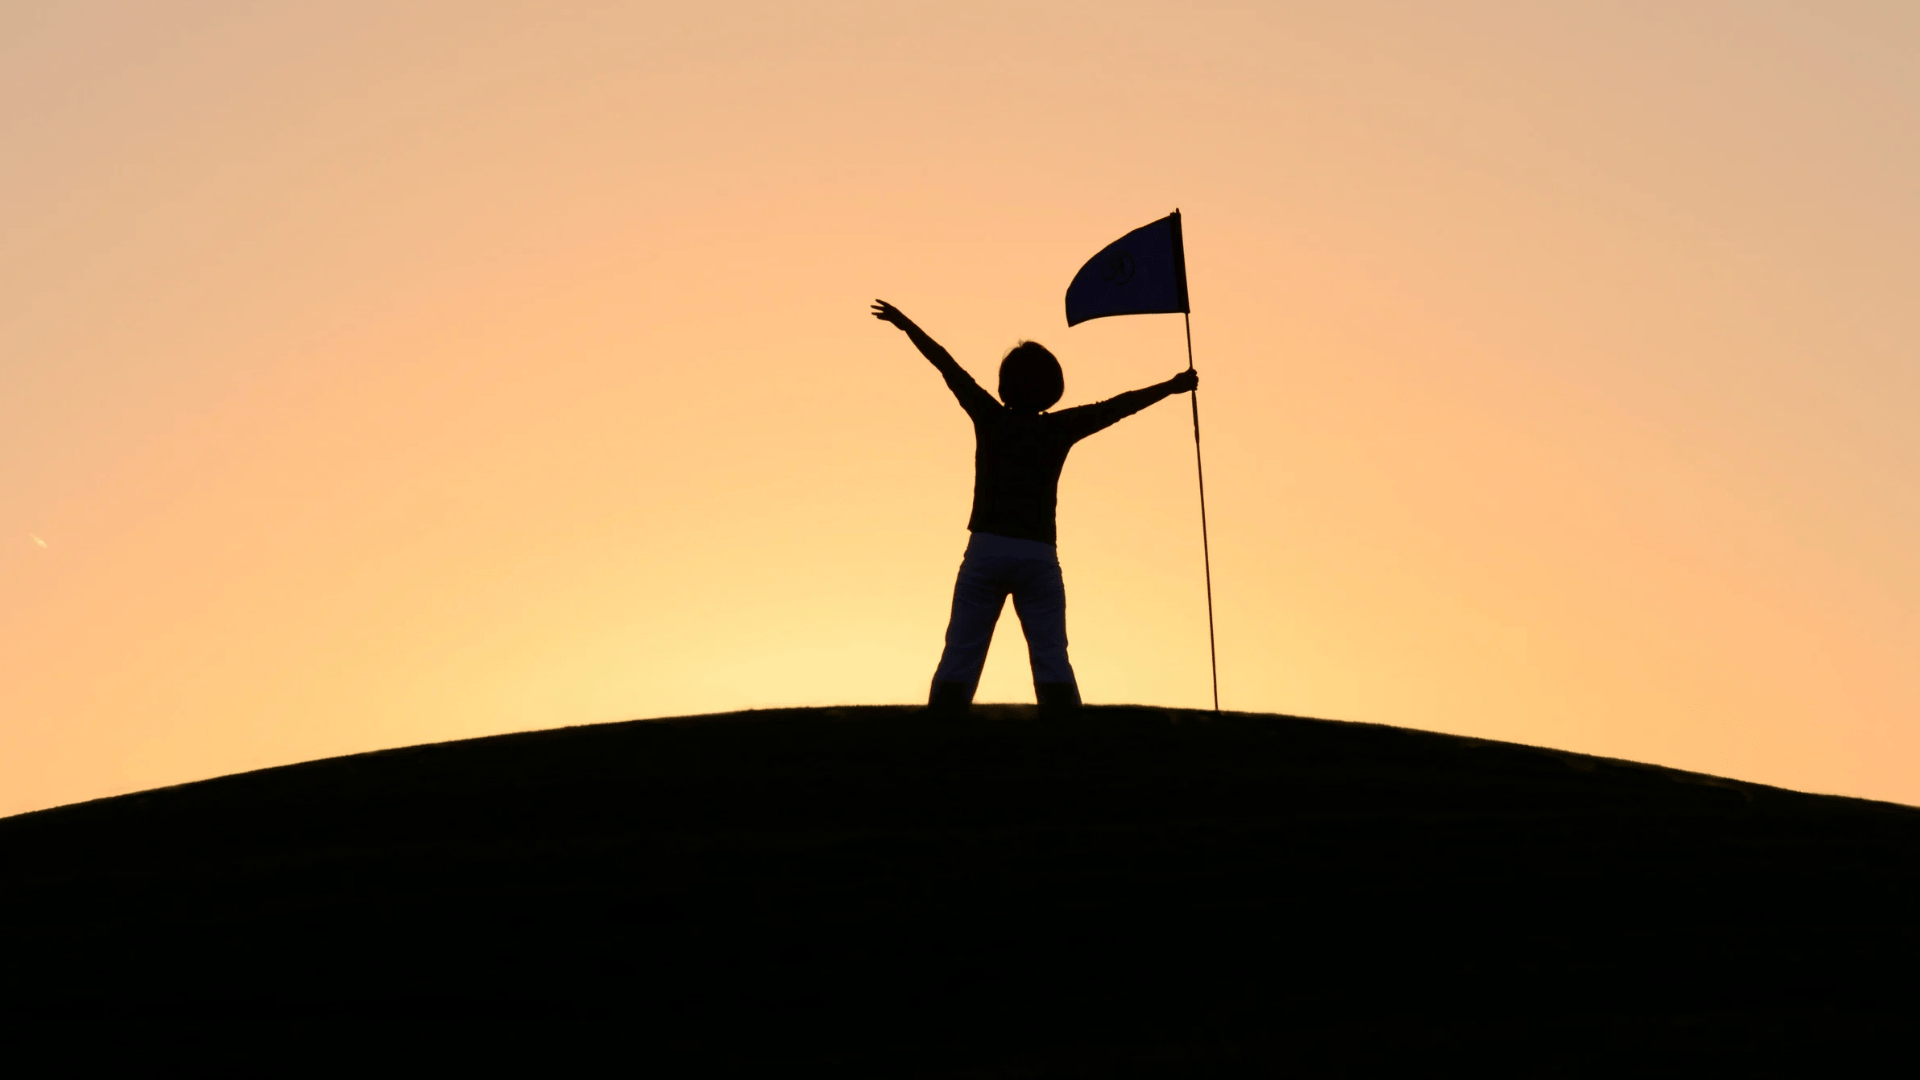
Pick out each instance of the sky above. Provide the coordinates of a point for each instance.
(374, 374)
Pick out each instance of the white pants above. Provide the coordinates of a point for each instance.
(993, 568)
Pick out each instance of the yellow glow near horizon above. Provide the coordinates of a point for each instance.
(403, 372)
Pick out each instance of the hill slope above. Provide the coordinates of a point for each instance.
(1132, 889)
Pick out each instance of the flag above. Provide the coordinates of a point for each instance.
(1142, 273)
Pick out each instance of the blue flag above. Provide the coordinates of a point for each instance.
(1142, 273)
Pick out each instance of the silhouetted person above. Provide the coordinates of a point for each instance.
(1019, 448)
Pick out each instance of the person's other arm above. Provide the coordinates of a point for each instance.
(972, 397)
(1083, 420)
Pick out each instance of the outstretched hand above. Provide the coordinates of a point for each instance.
(1185, 382)
(887, 313)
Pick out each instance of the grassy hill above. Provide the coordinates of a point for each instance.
(1131, 891)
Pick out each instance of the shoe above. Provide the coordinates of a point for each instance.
(1057, 698)
(950, 700)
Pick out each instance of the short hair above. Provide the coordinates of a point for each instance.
(1030, 378)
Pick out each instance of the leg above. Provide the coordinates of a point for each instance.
(1040, 599)
(978, 595)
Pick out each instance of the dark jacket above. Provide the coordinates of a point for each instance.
(1017, 456)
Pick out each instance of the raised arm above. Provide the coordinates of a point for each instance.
(1083, 420)
(972, 398)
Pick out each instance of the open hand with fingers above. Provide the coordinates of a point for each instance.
(887, 313)
(928, 347)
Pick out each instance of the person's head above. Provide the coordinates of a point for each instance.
(1030, 378)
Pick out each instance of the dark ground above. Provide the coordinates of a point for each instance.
(864, 891)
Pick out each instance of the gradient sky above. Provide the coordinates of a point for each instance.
(383, 373)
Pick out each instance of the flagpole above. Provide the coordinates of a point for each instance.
(1206, 555)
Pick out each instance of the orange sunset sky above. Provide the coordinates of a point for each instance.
(385, 373)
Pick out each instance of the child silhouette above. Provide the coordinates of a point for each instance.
(1019, 449)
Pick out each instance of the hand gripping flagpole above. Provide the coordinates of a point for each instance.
(1145, 273)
